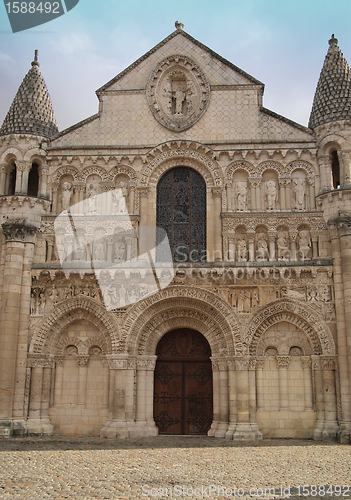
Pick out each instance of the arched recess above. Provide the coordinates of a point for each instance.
(47, 334)
(178, 307)
(290, 311)
(184, 153)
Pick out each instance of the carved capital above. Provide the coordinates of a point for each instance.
(283, 361)
(306, 362)
(82, 360)
(143, 192)
(217, 192)
(16, 230)
(23, 166)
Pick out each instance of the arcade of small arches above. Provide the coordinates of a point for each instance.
(84, 366)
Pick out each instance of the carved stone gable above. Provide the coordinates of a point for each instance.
(178, 92)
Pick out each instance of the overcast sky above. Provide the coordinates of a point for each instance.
(282, 43)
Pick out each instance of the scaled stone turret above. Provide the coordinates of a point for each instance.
(332, 100)
(31, 111)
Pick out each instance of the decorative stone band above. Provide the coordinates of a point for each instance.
(17, 230)
(38, 360)
(324, 362)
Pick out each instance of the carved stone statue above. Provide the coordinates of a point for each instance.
(120, 197)
(241, 196)
(262, 248)
(120, 250)
(271, 195)
(304, 252)
(299, 193)
(99, 250)
(66, 195)
(241, 249)
(92, 191)
(282, 245)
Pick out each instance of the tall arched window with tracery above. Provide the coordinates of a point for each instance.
(181, 212)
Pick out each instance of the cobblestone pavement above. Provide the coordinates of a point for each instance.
(189, 467)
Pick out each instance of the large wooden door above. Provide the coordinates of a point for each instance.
(183, 400)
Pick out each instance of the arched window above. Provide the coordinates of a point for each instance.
(335, 169)
(181, 212)
(33, 180)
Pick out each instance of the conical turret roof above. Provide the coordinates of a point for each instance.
(332, 100)
(31, 111)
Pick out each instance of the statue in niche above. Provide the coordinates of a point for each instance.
(179, 96)
(120, 196)
(166, 95)
(33, 304)
(299, 193)
(330, 314)
(66, 195)
(262, 248)
(241, 249)
(92, 191)
(99, 250)
(243, 304)
(325, 295)
(271, 195)
(80, 253)
(120, 250)
(255, 301)
(241, 196)
(42, 303)
(304, 245)
(60, 250)
(312, 295)
(282, 245)
(190, 96)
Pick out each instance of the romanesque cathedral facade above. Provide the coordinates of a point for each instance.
(179, 262)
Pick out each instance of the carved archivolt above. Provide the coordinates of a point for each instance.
(289, 311)
(281, 170)
(67, 170)
(14, 153)
(185, 154)
(177, 307)
(122, 169)
(239, 165)
(46, 335)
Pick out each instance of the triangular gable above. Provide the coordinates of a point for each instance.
(218, 70)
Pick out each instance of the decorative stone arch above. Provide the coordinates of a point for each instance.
(270, 165)
(66, 170)
(288, 344)
(91, 170)
(46, 335)
(331, 141)
(15, 154)
(35, 155)
(182, 154)
(301, 165)
(177, 307)
(82, 347)
(121, 169)
(290, 311)
(239, 165)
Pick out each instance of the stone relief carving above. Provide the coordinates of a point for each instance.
(66, 195)
(120, 198)
(178, 92)
(299, 191)
(305, 250)
(241, 196)
(271, 195)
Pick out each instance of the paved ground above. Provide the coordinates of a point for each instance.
(190, 467)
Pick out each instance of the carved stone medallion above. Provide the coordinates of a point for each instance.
(178, 92)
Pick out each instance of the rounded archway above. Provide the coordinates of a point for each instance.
(183, 394)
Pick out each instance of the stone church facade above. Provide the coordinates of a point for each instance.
(251, 338)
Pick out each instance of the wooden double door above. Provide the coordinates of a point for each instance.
(183, 398)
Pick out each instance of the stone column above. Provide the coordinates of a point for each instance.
(20, 167)
(252, 397)
(26, 167)
(2, 179)
(340, 236)
(282, 194)
(314, 238)
(259, 384)
(331, 426)
(319, 397)
(251, 242)
(145, 423)
(51, 245)
(43, 172)
(293, 238)
(231, 249)
(109, 240)
(233, 404)
(244, 429)
(252, 194)
(306, 367)
(149, 397)
(55, 196)
(218, 246)
(116, 425)
(312, 188)
(38, 416)
(216, 400)
(287, 183)
(345, 163)
(223, 399)
(59, 361)
(325, 169)
(271, 238)
(143, 222)
(283, 364)
(22, 340)
(131, 199)
(82, 361)
(17, 234)
(229, 198)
